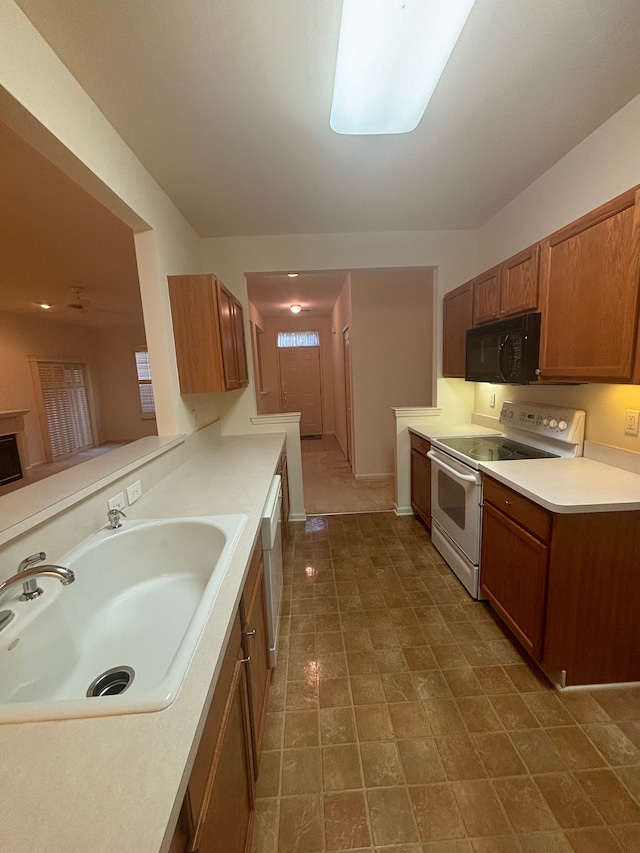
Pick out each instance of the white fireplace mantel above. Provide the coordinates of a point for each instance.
(12, 423)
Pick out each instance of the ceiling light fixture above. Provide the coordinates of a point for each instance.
(391, 54)
(44, 305)
(295, 309)
(292, 274)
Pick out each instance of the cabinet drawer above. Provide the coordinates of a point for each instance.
(520, 509)
(420, 445)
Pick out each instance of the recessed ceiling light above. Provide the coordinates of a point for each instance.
(293, 274)
(44, 305)
(391, 54)
(295, 309)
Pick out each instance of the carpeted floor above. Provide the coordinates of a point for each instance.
(330, 487)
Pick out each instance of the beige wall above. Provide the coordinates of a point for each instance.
(117, 381)
(602, 166)
(340, 317)
(109, 357)
(309, 322)
(391, 348)
(22, 336)
(42, 101)
(453, 252)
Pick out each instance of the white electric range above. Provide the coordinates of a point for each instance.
(530, 431)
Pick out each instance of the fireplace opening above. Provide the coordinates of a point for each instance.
(10, 468)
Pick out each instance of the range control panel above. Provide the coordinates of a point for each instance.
(555, 422)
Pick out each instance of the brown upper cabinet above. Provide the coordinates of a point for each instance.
(510, 288)
(589, 281)
(208, 329)
(457, 317)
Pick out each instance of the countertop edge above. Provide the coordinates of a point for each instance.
(104, 763)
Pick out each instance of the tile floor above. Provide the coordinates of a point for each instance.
(329, 485)
(403, 718)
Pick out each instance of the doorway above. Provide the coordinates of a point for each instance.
(346, 354)
(63, 407)
(300, 379)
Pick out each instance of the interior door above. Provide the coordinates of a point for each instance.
(346, 344)
(300, 387)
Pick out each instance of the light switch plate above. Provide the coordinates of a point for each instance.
(134, 491)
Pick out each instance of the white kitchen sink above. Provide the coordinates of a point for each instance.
(141, 597)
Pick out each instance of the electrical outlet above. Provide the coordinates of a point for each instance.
(492, 401)
(117, 501)
(134, 491)
(631, 422)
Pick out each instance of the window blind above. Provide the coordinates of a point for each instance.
(64, 396)
(143, 369)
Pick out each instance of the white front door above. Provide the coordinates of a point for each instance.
(300, 386)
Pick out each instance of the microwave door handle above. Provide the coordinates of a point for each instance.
(501, 353)
(470, 478)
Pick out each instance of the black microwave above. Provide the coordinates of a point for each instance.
(505, 352)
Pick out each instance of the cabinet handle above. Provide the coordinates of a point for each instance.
(508, 503)
(250, 633)
(538, 371)
(245, 660)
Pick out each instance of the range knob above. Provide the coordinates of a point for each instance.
(509, 413)
(553, 423)
(545, 422)
(563, 424)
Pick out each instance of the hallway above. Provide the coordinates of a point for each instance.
(403, 719)
(330, 487)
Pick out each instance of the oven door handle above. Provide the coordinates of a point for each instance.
(469, 478)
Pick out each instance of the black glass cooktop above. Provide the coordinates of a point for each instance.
(494, 448)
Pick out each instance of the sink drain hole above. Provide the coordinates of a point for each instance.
(112, 682)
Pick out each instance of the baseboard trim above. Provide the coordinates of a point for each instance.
(402, 510)
(373, 476)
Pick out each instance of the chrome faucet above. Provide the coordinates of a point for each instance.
(114, 518)
(27, 575)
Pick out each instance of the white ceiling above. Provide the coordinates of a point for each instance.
(54, 237)
(226, 102)
(273, 294)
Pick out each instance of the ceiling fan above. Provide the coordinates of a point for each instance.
(78, 307)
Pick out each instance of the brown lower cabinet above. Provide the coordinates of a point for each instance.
(286, 503)
(565, 584)
(421, 478)
(217, 812)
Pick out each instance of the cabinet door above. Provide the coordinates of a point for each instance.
(513, 574)
(228, 337)
(284, 474)
(227, 821)
(457, 317)
(222, 778)
(196, 332)
(519, 282)
(240, 345)
(421, 486)
(486, 297)
(256, 646)
(589, 286)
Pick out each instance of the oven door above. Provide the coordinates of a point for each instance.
(456, 493)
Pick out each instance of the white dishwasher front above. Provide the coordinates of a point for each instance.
(273, 563)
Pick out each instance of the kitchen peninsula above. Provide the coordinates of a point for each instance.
(124, 777)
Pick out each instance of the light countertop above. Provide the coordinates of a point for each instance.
(569, 485)
(116, 783)
(429, 431)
